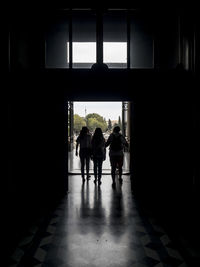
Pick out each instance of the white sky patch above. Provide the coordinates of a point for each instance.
(115, 52)
(108, 110)
(85, 52)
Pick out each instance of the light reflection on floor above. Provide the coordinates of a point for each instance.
(100, 226)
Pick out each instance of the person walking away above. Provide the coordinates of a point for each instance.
(84, 141)
(98, 153)
(117, 142)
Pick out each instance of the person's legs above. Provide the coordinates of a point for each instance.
(95, 170)
(100, 162)
(113, 167)
(88, 167)
(120, 164)
(82, 158)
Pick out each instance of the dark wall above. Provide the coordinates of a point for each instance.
(166, 125)
(36, 153)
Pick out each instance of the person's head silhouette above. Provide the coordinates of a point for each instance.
(116, 129)
(98, 132)
(84, 131)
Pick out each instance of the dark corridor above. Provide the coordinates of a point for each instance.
(163, 185)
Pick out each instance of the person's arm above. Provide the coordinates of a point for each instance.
(92, 148)
(77, 143)
(104, 149)
(103, 142)
(90, 142)
(108, 142)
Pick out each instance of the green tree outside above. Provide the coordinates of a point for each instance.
(95, 120)
(93, 123)
(79, 122)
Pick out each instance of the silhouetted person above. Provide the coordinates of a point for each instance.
(98, 153)
(84, 140)
(117, 143)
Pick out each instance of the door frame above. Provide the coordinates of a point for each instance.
(127, 107)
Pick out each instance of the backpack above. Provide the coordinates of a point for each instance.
(116, 144)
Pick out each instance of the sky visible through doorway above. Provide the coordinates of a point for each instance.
(108, 110)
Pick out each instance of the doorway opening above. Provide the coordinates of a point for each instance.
(103, 114)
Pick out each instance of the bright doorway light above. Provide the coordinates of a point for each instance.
(115, 52)
(83, 52)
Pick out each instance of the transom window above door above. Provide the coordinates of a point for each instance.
(72, 40)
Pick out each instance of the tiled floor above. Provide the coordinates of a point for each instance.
(98, 226)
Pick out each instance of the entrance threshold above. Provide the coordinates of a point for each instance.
(104, 173)
(74, 165)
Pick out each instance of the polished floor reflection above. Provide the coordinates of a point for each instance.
(74, 165)
(98, 226)
(102, 226)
